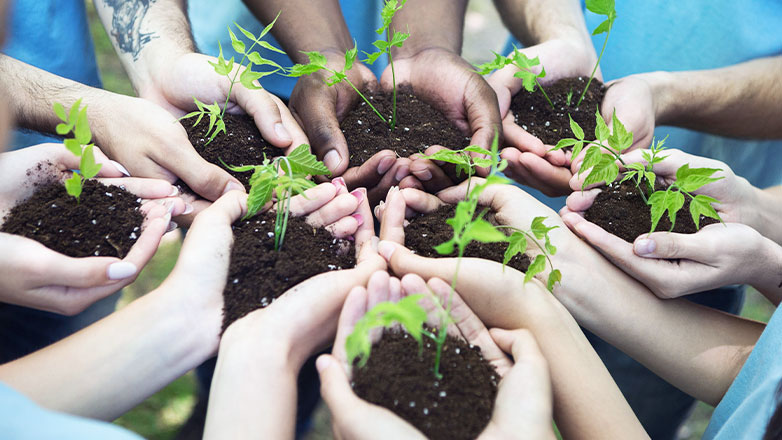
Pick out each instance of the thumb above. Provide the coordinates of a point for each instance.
(670, 245)
(334, 386)
(206, 179)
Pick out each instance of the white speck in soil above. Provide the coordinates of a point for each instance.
(109, 194)
(412, 404)
(547, 123)
(396, 402)
(332, 266)
(407, 128)
(94, 222)
(236, 281)
(359, 122)
(472, 346)
(524, 127)
(436, 384)
(532, 107)
(135, 229)
(442, 393)
(263, 222)
(96, 253)
(322, 250)
(435, 404)
(60, 231)
(133, 236)
(423, 235)
(138, 200)
(457, 350)
(54, 205)
(270, 234)
(426, 411)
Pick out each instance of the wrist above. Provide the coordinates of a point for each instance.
(665, 102)
(769, 278)
(254, 341)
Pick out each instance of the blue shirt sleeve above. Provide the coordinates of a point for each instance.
(22, 419)
(750, 401)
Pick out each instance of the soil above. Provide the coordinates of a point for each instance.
(418, 126)
(258, 274)
(458, 406)
(105, 222)
(241, 144)
(620, 210)
(429, 230)
(534, 114)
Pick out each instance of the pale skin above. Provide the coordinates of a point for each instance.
(319, 26)
(181, 319)
(743, 250)
(523, 404)
(697, 349)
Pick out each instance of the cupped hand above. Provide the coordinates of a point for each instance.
(38, 277)
(633, 100)
(450, 84)
(530, 162)
(319, 108)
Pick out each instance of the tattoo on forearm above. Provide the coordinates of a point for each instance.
(126, 25)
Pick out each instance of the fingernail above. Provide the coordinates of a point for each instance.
(386, 249)
(358, 194)
(424, 174)
(339, 181)
(401, 173)
(120, 168)
(188, 209)
(170, 206)
(385, 164)
(644, 246)
(359, 218)
(171, 226)
(322, 363)
(121, 270)
(332, 160)
(232, 186)
(282, 132)
(174, 191)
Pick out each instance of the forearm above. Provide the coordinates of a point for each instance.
(432, 24)
(536, 21)
(254, 386)
(765, 212)
(116, 363)
(147, 37)
(305, 25)
(740, 100)
(769, 278)
(697, 349)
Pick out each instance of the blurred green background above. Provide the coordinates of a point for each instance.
(161, 416)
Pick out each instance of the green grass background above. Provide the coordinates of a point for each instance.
(160, 416)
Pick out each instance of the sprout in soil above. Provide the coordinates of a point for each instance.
(285, 177)
(605, 151)
(600, 7)
(245, 73)
(317, 61)
(528, 77)
(75, 122)
(467, 227)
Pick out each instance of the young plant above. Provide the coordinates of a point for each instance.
(672, 199)
(464, 161)
(395, 39)
(641, 174)
(247, 78)
(285, 177)
(600, 7)
(75, 122)
(528, 77)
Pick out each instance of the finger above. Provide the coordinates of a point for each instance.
(149, 240)
(413, 284)
(411, 182)
(335, 209)
(520, 139)
(334, 385)
(519, 343)
(316, 112)
(366, 225)
(394, 290)
(431, 176)
(353, 309)
(264, 110)
(670, 245)
(108, 168)
(580, 201)
(312, 199)
(206, 179)
(398, 172)
(55, 269)
(553, 180)
(393, 217)
(371, 172)
(344, 227)
(144, 188)
(483, 113)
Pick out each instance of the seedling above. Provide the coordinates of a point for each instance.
(528, 77)
(285, 177)
(75, 122)
(602, 159)
(317, 61)
(600, 7)
(464, 161)
(247, 78)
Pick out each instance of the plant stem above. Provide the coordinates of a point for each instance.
(365, 99)
(279, 230)
(545, 95)
(393, 78)
(605, 43)
(534, 240)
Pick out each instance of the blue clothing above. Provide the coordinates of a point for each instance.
(25, 420)
(209, 26)
(54, 36)
(750, 401)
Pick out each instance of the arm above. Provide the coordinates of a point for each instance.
(536, 21)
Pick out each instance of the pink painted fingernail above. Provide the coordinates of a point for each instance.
(358, 194)
(171, 226)
(385, 164)
(188, 209)
(359, 218)
(339, 181)
(174, 191)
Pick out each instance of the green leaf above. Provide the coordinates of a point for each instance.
(601, 7)
(73, 146)
(87, 165)
(269, 26)
(269, 46)
(350, 57)
(517, 244)
(316, 58)
(246, 33)
(662, 201)
(446, 248)
(554, 277)
(82, 131)
(537, 266)
(604, 171)
(236, 43)
(260, 192)
(304, 162)
(691, 179)
(63, 129)
(483, 231)
(73, 115)
(577, 148)
(477, 149)
(59, 110)
(620, 139)
(591, 158)
(601, 129)
(539, 228)
(73, 185)
(701, 205)
(258, 60)
(248, 78)
(577, 130)
(372, 57)
(564, 143)
(398, 39)
(527, 80)
(603, 27)
(381, 45)
(303, 69)
(498, 63)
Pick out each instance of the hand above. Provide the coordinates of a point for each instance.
(450, 84)
(150, 142)
(529, 160)
(38, 277)
(319, 108)
(632, 97)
